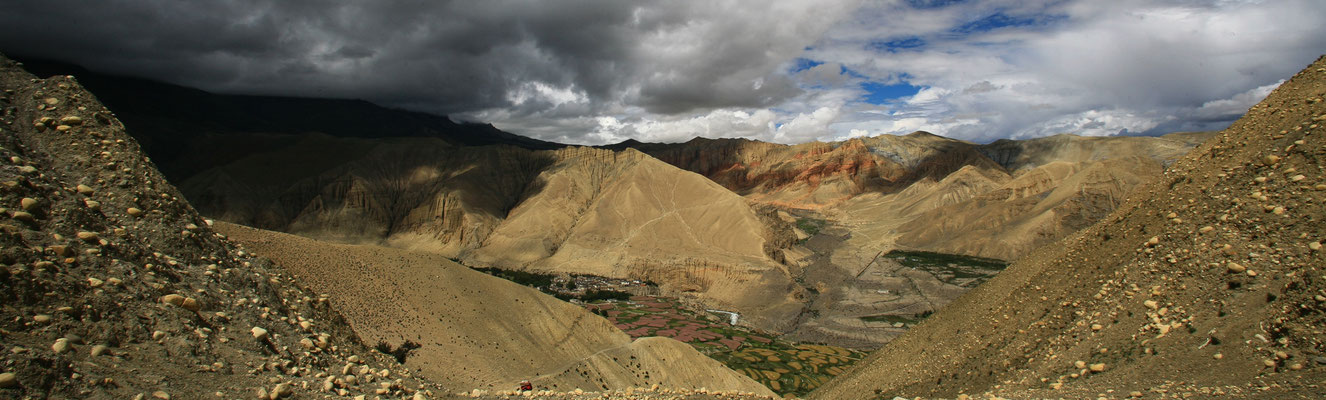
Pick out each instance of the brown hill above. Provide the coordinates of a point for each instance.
(112, 286)
(928, 207)
(480, 332)
(573, 210)
(1204, 282)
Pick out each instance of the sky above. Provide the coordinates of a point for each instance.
(787, 71)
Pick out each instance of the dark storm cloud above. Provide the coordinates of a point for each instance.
(442, 56)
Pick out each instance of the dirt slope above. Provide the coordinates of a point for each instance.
(477, 331)
(1206, 281)
(629, 215)
(112, 286)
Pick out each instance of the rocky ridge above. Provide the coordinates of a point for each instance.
(1206, 282)
(112, 286)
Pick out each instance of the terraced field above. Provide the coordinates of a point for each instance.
(786, 368)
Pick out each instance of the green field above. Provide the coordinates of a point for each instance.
(965, 271)
(786, 368)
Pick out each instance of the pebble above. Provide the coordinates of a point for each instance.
(1206, 229)
(28, 203)
(259, 333)
(100, 349)
(43, 318)
(71, 120)
(1236, 267)
(1097, 367)
(1218, 356)
(1271, 160)
(24, 216)
(8, 380)
(173, 299)
(161, 395)
(133, 211)
(88, 236)
(1151, 304)
(85, 190)
(282, 390)
(94, 282)
(61, 345)
(1314, 246)
(191, 304)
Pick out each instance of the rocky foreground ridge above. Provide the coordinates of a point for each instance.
(112, 286)
(1206, 282)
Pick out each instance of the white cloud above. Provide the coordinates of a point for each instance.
(601, 71)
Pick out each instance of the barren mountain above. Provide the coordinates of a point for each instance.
(112, 286)
(1207, 281)
(410, 183)
(476, 331)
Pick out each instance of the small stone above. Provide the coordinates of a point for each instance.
(1252, 273)
(24, 216)
(85, 190)
(94, 282)
(1314, 246)
(259, 333)
(1236, 267)
(173, 299)
(1282, 355)
(71, 120)
(60, 346)
(28, 203)
(1097, 367)
(1297, 178)
(158, 335)
(1151, 304)
(1079, 364)
(100, 349)
(8, 380)
(191, 304)
(282, 390)
(1096, 327)
(92, 204)
(1269, 363)
(42, 318)
(1206, 229)
(1218, 356)
(1135, 394)
(1153, 241)
(1271, 160)
(133, 211)
(90, 237)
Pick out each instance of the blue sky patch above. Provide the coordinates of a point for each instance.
(898, 44)
(926, 4)
(1000, 20)
(802, 64)
(879, 93)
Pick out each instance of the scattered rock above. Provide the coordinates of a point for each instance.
(90, 237)
(133, 211)
(173, 299)
(100, 349)
(85, 190)
(28, 203)
(61, 345)
(1236, 267)
(259, 333)
(1097, 367)
(8, 380)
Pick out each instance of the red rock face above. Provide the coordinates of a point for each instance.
(795, 175)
